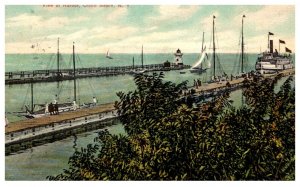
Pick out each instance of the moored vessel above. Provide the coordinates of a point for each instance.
(272, 61)
(198, 66)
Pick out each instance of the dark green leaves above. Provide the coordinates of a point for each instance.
(167, 140)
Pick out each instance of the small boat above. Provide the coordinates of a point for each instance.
(108, 55)
(139, 70)
(182, 72)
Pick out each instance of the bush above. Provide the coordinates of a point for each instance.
(167, 140)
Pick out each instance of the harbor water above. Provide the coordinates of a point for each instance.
(51, 158)
(103, 88)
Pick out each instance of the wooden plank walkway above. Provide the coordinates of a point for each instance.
(217, 85)
(37, 122)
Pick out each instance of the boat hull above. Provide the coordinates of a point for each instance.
(268, 68)
(198, 70)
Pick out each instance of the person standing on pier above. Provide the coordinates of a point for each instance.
(198, 82)
(55, 100)
(6, 121)
(75, 106)
(50, 108)
(46, 108)
(94, 101)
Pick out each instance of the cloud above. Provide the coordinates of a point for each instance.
(153, 37)
(77, 35)
(112, 32)
(38, 22)
(258, 23)
(117, 13)
(23, 20)
(150, 29)
(173, 13)
(157, 36)
(156, 42)
(268, 17)
(207, 22)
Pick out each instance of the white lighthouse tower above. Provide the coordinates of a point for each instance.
(178, 58)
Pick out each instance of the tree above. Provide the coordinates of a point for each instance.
(168, 140)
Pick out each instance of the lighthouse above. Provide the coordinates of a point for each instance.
(178, 58)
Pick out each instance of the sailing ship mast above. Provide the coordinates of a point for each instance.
(58, 75)
(202, 46)
(74, 76)
(58, 57)
(142, 58)
(242, 68)
(32, 106)
(214, 47)
(133, 62)
(202, 42)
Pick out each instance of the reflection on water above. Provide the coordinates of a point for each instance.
(49, 159)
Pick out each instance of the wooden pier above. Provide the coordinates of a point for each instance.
(27, 130)
(49, 119)
(22, 77)
(25, 134)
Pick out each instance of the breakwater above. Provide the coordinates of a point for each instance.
(22, 77)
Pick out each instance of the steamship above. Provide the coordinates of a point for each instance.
(272, 61)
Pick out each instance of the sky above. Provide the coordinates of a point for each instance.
(160, 29)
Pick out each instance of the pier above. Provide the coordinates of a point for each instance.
(22, 77)
(20, 135)
(23, 134)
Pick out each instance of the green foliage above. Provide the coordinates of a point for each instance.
(152, 100)
(167, 140)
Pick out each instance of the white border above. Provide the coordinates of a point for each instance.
(142, 2)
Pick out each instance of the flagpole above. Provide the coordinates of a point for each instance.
(268, 41)
(279, 46)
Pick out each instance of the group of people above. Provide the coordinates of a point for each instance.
(52, 108)
(197, 83)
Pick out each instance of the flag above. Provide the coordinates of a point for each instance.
(288, 50)
(281, 41)
(270, 33)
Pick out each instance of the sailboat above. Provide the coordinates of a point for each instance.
(215, 59)
(198, 66)
(37, 50)
(108, 55)
(239, 69)
(55, 107)
(142, 70)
